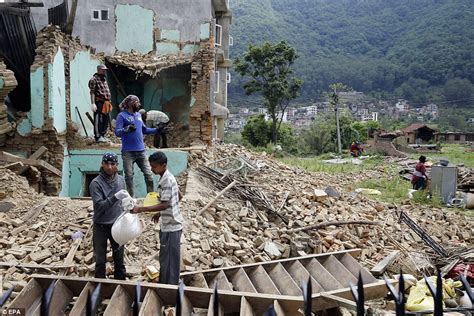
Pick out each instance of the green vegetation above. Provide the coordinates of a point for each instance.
(395, 190)
(420, 50)
(456, 154)
(316, 164)
(269, 69)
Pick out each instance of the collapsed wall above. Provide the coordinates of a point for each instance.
(47, 122)
(7, 84)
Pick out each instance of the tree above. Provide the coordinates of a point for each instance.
(458, 91)
(258, 132)
(269, 69)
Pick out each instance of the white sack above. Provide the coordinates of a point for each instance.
(126, 228)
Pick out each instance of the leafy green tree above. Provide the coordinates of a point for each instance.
(257, 132)
(269, 69)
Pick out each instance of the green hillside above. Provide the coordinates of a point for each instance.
(408, 48)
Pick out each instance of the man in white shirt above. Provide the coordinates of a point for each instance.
(159, 120)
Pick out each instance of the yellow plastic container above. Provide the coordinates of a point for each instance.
(151, 199)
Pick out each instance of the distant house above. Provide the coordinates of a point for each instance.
(454, 137)
(402, 105)
(418, 131)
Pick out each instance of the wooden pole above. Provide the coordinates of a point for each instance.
(335, 223)
(227, 188)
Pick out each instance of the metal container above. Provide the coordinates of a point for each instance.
(444, 181)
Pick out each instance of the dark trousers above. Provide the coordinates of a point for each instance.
(101, 121)
(102, 233)
(170, 257)
(140, 158)
(419, 184)
(161, 131)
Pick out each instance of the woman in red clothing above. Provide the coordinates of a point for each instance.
(419, 176)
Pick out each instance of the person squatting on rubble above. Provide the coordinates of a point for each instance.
(419, 176)
(171, 223)
(131, 128)
(158, 120)
(107, 191)
(356, 149)
(100, 103)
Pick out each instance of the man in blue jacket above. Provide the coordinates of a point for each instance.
(130, 128)
(107, 191)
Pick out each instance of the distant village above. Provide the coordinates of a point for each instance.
(361, 108)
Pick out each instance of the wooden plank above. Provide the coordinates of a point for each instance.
(241, 282)
(299, 273)
(210, 309)
(32, 214)
(231, 300)
(354, 267)
(324, 278)
(380, 267)
(222, 282)
(7, 157)
(342, 302)
(152, 304)
(262, 281)
(187, 306)
(278, 309)
(36, 155)
(120, 303)
(34, 265)
(29, 298)
(61, 298)
(245, 308)
(79, 308)
(70, 256)
(339, 271)
(283, 280)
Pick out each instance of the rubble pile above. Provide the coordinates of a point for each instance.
(53, 235)
(234, 232)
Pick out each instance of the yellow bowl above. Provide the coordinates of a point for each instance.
(151, 199)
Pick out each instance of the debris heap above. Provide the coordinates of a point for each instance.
(272, 211)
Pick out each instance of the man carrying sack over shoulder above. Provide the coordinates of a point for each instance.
(100, 103)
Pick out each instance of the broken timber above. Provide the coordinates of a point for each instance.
(7, 157)
(254, 287)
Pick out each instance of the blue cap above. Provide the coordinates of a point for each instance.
(110, 157)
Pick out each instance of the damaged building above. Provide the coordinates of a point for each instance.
(173, 55)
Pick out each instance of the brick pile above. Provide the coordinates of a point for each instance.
(40, 230)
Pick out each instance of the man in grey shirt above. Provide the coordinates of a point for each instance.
(107, 191)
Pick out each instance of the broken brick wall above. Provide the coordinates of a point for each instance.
(7, 84)
(202, 67)
(47, 123)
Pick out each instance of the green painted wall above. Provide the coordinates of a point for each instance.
(170, 35)
(57, 92)
(88, 161)
(164, 48)
(134, 28)
(37, 98)
(152, 94)
(205, 31)
(24, 127)
(159, 91)
(66, 174)
(82, 68)
(190, 49)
